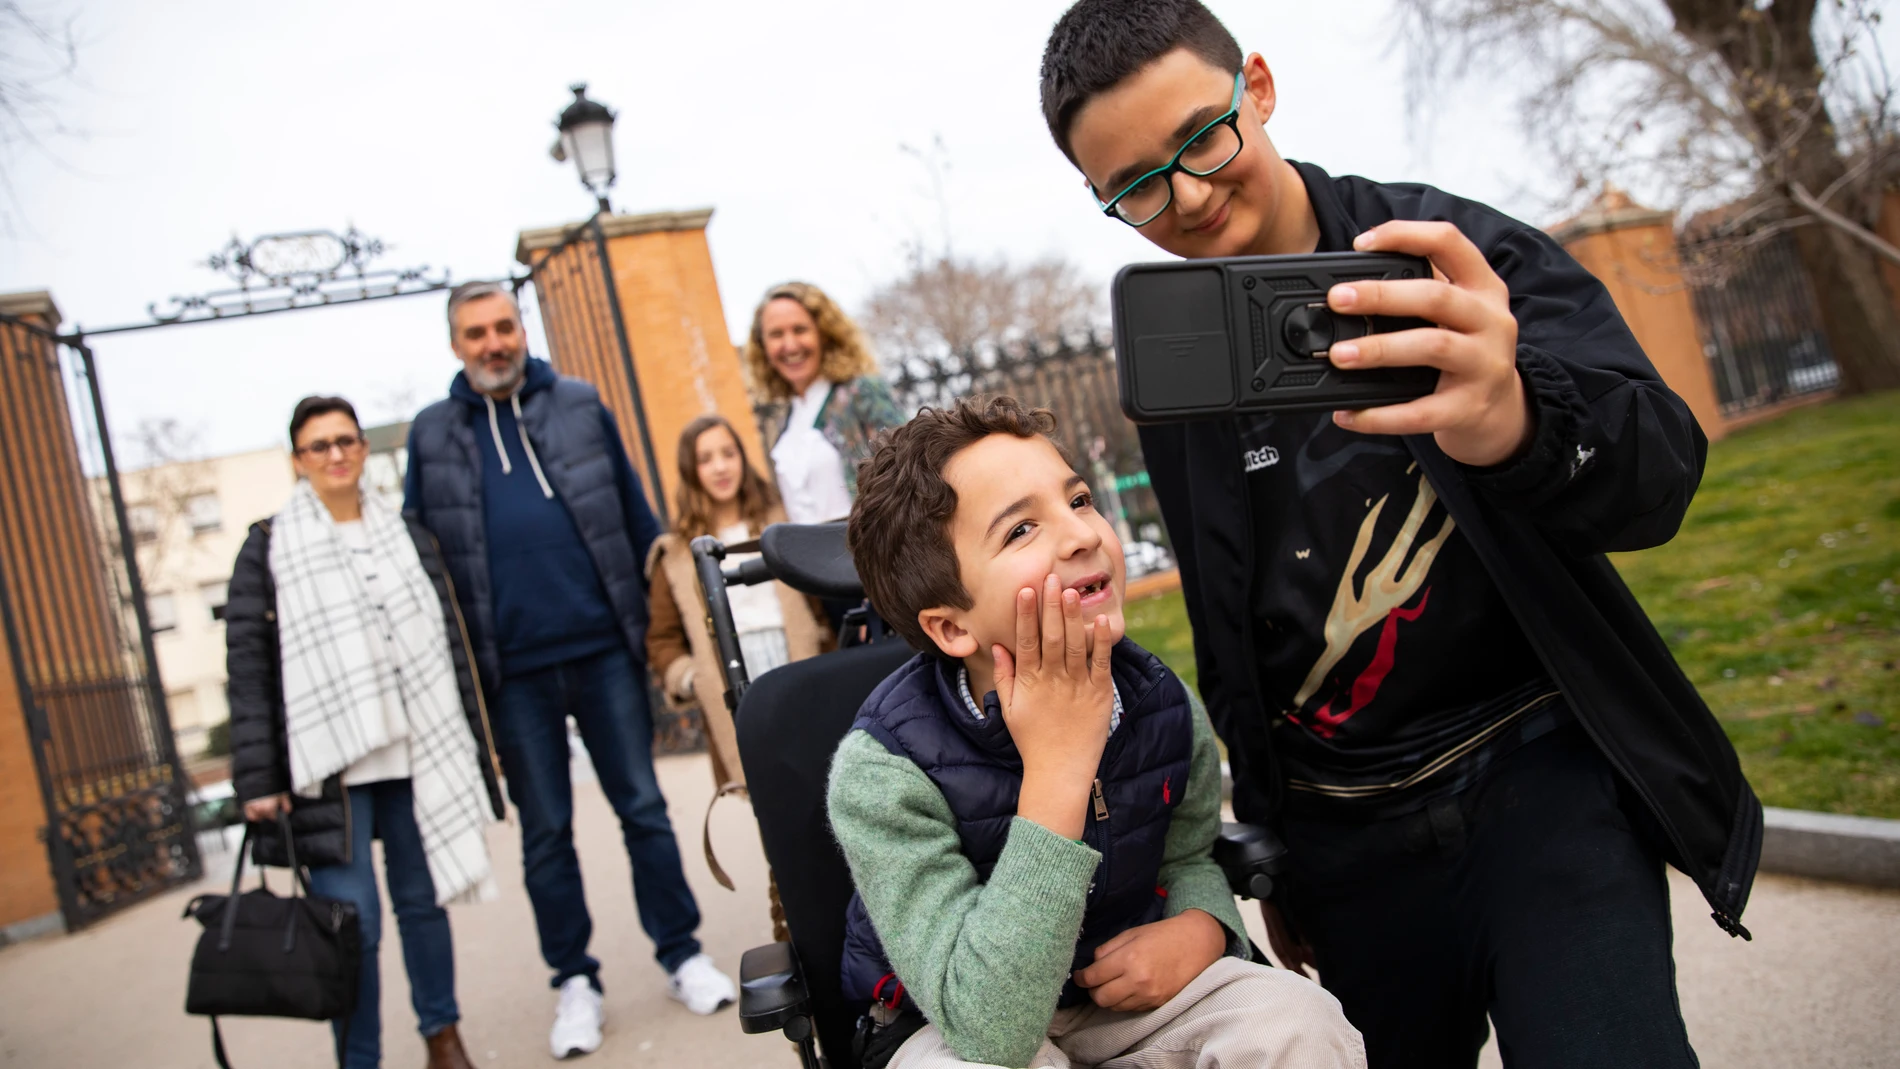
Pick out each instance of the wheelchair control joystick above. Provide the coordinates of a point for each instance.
(1253, 859)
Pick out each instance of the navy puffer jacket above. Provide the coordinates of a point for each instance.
(917, 713)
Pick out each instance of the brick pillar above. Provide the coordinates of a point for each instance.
(33, 471)
(684, 362)
(1632, 251)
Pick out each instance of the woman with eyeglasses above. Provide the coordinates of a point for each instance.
(355, 712)
(811, 362)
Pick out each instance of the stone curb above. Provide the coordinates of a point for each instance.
(1796, 842)
(1829, 846)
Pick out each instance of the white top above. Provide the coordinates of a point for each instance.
(392, 761)
(755, 607)
(810, 471)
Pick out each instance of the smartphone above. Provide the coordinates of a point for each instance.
(1201, 338)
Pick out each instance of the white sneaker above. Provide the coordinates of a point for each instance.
(577, 1021)
(701, 986)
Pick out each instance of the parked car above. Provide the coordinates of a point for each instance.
(1146, 558)
(217, 818)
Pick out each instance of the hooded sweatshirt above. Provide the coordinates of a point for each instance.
(548, 601)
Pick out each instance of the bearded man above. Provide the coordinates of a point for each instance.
(520, 473)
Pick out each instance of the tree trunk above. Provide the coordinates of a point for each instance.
(1775, 66)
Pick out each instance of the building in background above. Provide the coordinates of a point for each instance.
(189, 518)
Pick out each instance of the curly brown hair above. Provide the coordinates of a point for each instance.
(899, 533)
(756, 496)
(845, 355)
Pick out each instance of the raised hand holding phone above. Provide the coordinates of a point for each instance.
(1056, 696)
(1480, 412)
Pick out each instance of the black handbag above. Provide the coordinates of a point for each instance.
(265, 956)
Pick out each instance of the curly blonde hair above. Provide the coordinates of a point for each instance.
(845, 355)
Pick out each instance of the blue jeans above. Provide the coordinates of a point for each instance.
(607, 696)
(387, 811)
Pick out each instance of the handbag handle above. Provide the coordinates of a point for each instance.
(297, 877)
(229, 924)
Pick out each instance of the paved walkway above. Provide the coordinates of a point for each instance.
(1815, 988)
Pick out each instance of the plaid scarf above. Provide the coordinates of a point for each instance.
(347, 659)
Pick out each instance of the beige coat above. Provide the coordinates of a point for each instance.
(679, 613)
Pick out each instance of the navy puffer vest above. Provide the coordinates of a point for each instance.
(918, 714)
(562, 418)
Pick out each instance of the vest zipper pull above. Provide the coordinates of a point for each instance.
(1101, 804)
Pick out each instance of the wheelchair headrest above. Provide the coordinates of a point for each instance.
(811, 558)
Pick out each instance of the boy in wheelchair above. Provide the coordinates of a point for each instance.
(1035, 883)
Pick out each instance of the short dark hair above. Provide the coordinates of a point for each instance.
(899, 533)
(1099, 43)
(311, 407)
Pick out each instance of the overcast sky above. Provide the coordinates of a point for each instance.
(428, 124)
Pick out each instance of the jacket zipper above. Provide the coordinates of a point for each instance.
(1101, 804)
(468, 648)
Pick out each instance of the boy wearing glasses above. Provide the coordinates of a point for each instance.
(1428, 676)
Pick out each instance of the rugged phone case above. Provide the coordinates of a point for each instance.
(1200, 338)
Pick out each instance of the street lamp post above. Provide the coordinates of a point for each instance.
(587, 138)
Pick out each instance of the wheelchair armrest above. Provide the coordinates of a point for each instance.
(1252, 858)
(771, 989)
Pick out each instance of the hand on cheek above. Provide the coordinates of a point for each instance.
(1480, 412)
(1055, 692)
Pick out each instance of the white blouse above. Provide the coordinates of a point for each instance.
(810, 471)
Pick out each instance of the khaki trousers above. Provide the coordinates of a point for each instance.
(1235, 1014)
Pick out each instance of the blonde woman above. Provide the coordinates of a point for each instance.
(721, 494)
(809, 359)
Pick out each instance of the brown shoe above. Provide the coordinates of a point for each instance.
(445, 1050)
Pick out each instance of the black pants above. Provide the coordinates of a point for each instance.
(1529, 897)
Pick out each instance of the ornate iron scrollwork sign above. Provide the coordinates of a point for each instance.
(300, 269)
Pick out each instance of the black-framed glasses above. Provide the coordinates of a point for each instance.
(1212, 147)
(348, 443)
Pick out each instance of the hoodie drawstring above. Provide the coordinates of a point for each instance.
(528, 447)
(494, 428)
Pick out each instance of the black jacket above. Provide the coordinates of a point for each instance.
(260, 764)
(1615, 459)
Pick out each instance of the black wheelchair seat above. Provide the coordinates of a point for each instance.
(789, 722)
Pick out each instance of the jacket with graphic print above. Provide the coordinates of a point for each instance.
(1615, 458)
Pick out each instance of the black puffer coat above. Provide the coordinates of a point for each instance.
(260, 763)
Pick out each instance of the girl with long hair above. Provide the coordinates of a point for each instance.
(720, 494)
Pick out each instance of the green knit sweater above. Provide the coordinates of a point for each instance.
(986, 961)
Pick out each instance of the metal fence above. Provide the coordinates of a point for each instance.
(1075, 381)
(78, 640)
(1761, 325)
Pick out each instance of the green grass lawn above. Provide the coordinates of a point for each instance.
(1778, 598)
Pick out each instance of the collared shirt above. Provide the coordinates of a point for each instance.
(976, 708)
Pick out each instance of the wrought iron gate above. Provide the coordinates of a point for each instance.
(78, 639)
(1761, 327)
(1075, 380)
